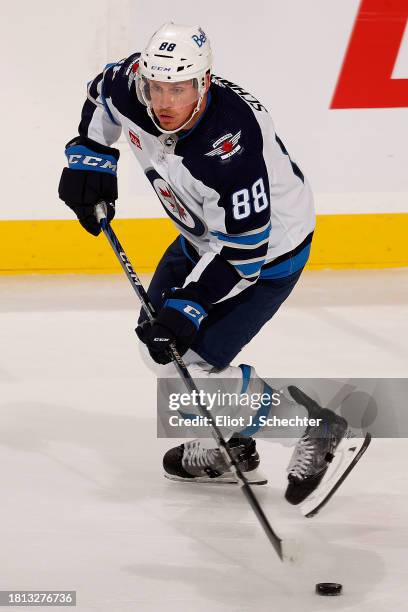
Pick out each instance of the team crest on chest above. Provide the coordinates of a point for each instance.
(226, 146)
(171, 201)
(176, 209)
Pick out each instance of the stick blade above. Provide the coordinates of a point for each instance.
(346, 457)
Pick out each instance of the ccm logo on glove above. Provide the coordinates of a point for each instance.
(193, 312)
(178, 322)
(80, 158)
(189, 308)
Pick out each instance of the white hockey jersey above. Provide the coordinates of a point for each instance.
(243, 207)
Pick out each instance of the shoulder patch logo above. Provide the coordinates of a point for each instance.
(226, 146)
(134, 138)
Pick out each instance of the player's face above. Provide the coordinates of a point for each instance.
(173, 103)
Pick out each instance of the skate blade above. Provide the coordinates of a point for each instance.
(346, 456)
(254, 477)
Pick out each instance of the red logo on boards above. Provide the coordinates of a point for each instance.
(365, 79)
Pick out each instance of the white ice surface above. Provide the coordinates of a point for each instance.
(84, 505)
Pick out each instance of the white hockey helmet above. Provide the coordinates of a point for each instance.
(174, 54)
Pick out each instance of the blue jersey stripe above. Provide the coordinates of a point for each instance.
(249, 268)
(249, 239)
(288, 267)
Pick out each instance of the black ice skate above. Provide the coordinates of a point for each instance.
(314, 451)
(193, 462)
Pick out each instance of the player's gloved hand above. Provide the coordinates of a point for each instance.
(90, 178)
(178, 321)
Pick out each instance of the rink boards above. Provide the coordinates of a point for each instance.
(60, 246)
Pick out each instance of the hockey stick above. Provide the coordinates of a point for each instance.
(286, 549)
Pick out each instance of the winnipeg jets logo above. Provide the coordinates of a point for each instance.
(226, 146)
(176, 207)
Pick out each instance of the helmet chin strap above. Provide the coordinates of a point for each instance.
(153, 118)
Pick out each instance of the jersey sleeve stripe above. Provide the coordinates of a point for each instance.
(92, 89)
(242, 247)
(239, 254)
(249, 269)
(240, 262)
(105, 104)
(249, 240)
(107, 109)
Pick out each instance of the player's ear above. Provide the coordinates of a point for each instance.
(207, 81)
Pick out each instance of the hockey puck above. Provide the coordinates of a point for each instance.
(329, 588)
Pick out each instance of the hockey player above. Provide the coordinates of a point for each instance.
(245, 215)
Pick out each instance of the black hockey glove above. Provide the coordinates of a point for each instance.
(90, 178)
(178, 321)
